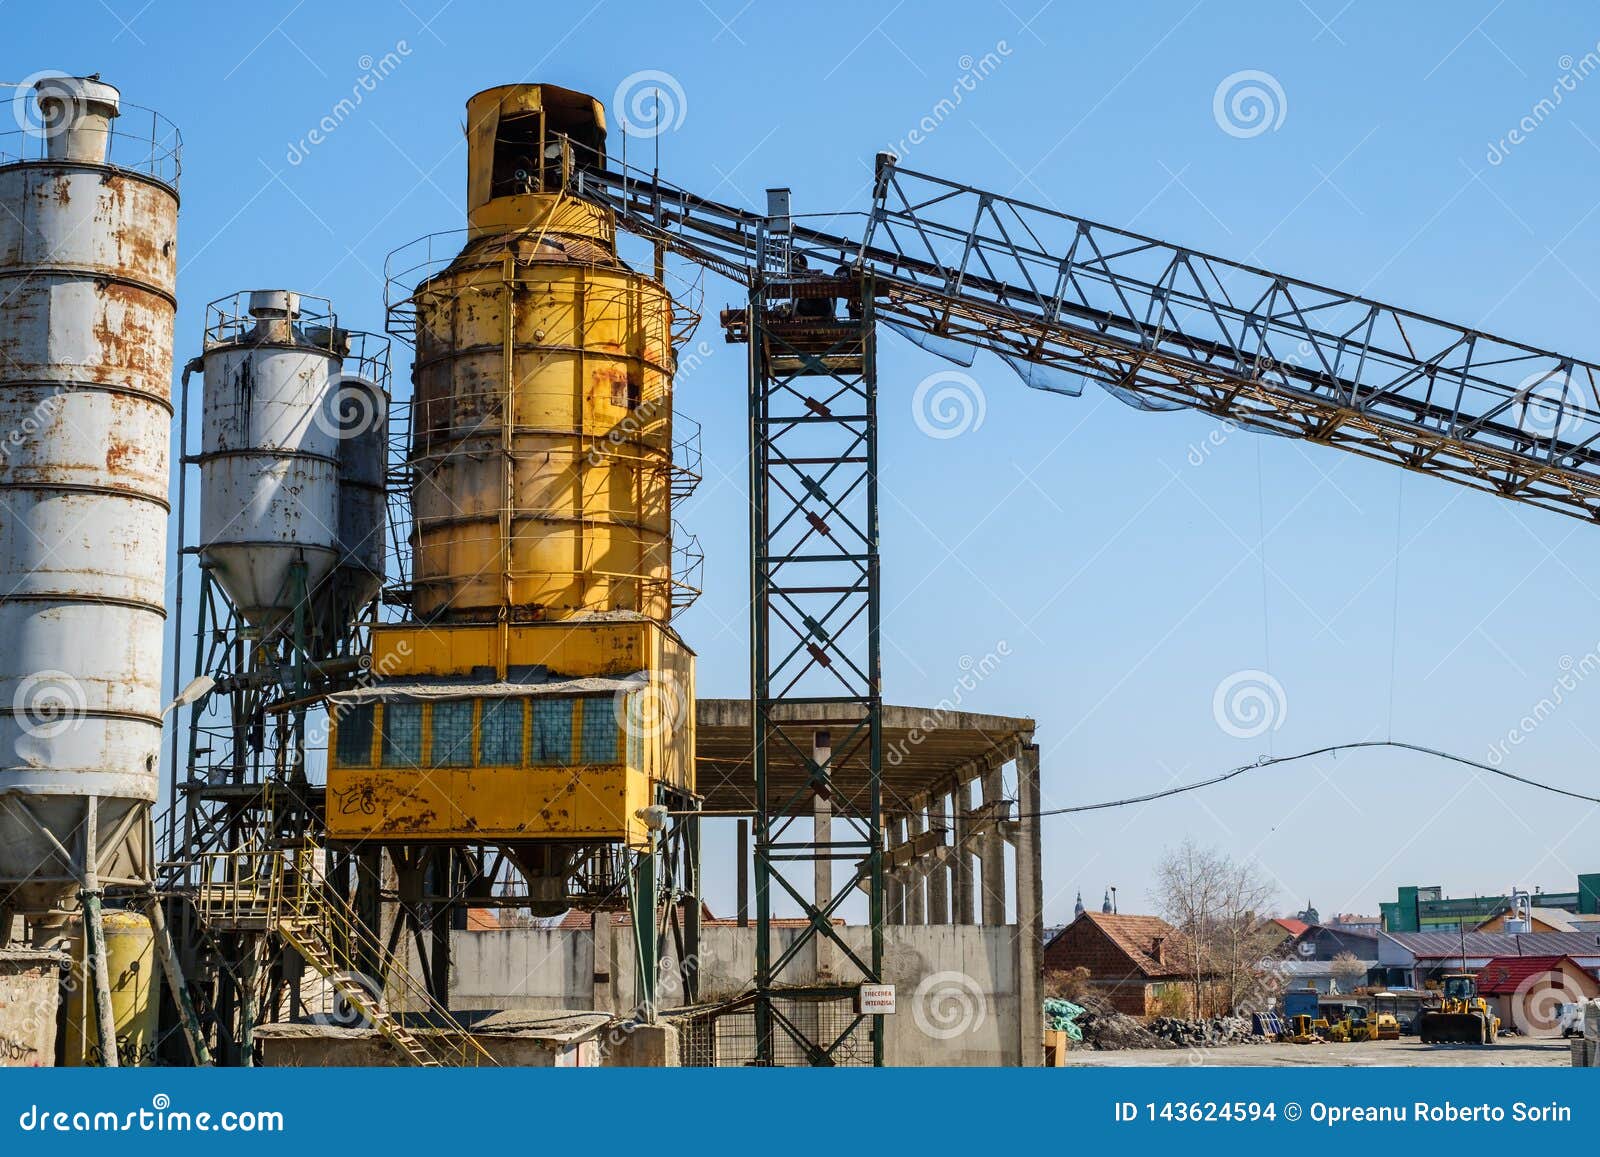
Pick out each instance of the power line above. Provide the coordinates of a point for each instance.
(1268, 761)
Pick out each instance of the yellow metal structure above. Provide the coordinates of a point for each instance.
(538, 692)
(131, 966)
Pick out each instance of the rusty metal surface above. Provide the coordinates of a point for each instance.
(88, 261)
(269, 467)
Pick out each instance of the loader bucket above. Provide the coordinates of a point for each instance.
(1452, 1028)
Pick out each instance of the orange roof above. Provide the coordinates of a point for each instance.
(1290, 925)
(1136, 937)
(482, 920)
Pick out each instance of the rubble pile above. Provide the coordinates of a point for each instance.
(1218, 1030)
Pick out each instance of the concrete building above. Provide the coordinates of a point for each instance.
(1527, 992)
(1427, 909)
(1140, 964)
(964, 927)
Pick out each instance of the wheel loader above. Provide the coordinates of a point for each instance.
(1463, 1017)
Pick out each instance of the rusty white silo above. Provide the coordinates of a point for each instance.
(88, 260)
(269, 461)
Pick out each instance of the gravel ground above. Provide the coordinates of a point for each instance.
(1408, 1051)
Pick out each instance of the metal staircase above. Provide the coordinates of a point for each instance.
(283, 891)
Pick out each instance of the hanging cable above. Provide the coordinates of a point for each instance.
(1268, 761)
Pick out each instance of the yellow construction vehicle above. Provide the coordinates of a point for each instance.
(1385, 1016)
(1463, 1017)
(1300, 1031)
(1358, 1024)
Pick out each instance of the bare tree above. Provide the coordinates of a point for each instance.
(1218, 904)
(1348, 971)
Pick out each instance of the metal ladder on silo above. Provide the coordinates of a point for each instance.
(281, 890)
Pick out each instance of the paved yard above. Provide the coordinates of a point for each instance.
(1406, 1051)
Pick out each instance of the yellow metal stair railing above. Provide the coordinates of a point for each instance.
(283, 891)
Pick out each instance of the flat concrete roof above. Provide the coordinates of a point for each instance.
(926, 750)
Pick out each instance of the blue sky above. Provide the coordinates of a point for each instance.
(1126, 581)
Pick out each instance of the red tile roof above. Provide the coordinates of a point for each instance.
(1132, 940)
(1506, 974)
(1291, 926)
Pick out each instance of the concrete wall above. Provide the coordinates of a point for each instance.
(955, 984)
(29, 997)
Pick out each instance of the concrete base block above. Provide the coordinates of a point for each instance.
(644, 1046)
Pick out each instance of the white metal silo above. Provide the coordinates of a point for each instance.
(269, 461)
(88, 259)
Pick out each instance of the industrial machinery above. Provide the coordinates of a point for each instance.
(1385, 1016)
(88, 259)
(1064, 302)
(1361, 1024)
(1463, 1018)
(291, 551)
(530, 723)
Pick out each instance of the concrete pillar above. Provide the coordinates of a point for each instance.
(894, 890)
(993, 852)
(916, 913)
(604, 981)
(939, 869)
(822, 883)
(965, 912)
(1030, 907)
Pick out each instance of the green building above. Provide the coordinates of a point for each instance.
(1424, 909)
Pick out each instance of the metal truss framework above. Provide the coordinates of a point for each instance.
(814, 626)
(1066, 300)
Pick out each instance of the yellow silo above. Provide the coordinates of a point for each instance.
(538, 693)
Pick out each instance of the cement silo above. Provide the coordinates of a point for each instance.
(269, 460)
(88, 259)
